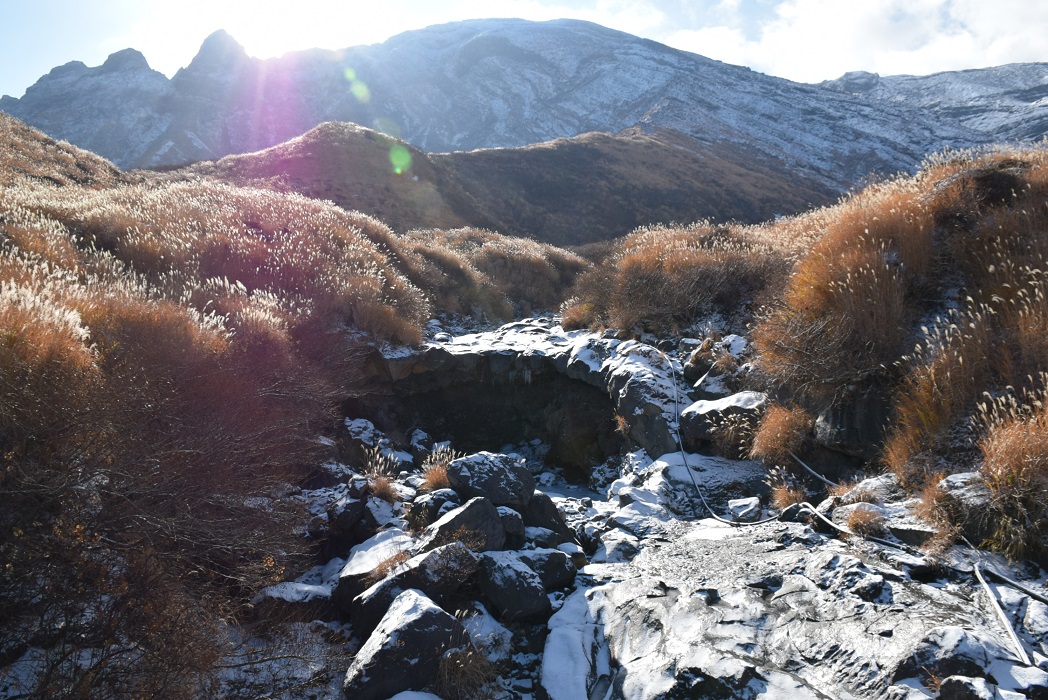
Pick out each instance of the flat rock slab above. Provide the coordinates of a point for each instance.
(769, 611)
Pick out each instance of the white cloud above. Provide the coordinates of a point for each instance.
(812, 40)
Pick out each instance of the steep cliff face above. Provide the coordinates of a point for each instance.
(506, 83)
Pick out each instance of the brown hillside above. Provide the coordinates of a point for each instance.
(597, 186)
(26, 153)
(574, 191)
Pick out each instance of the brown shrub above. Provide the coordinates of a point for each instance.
(866, 522)
(1016, 472)
(664, 278)
(784, 495)
(782, 430)
(465, 674)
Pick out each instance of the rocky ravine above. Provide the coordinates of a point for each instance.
(633, 591)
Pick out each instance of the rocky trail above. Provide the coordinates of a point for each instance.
(534, 574)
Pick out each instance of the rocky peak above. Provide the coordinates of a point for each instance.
(853, 82)
(126, 60)
(220, 53)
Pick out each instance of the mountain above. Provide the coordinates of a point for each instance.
(509, 83)
(573, 191)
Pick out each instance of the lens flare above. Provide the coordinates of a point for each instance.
(400, 158)
(357, 87)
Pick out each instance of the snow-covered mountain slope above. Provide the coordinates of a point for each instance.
(504, 83)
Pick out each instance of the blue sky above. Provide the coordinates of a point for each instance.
(804, 40)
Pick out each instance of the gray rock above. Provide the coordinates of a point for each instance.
(513, 524)
(515, 591)
(357, 572)
(965, 688)
(554, 567)
(541, 511)
(477, 523)
(438, 574)
(745, 509)
(541, 537)
(953, 651)
(427, 507)
(502, 479)
(404, 651)
(699, 420)
(966, 498)
(855, 424)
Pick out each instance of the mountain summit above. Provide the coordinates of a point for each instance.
(509, 83)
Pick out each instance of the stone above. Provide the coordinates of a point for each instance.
(363, 559)
(966, 498)
(699, 420)
(404, 651)
(541, 537)
(438, 574)
(477, 523)
(541, 511)
(513, 524)
(427, 507)
(502, 479)
(513, 589)
(964, 688)
(555, 568)
(745, 509)
(952, 651)
(854, 424)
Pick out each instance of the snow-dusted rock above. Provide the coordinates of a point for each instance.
(966, 496)
(541, 511)
(437, 573)
(404, 650)
(745, 509)
(555, 568)
(428, 507)
(953, 651)
(502, 479)
(513, 525)
(965, 688)
(699, 420)
(514, 590)
(362, 562)
(477, 520)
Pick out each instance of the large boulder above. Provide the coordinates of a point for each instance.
(477, 523)
(966, 498)
(700, 420)
(404, 651)
(438, 574)
(363, 561)
(953, 651)
(502, 479)
(854, 424)
(541, 511)
(554, 567)
(515, 591)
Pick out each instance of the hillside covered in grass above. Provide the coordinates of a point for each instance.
(170, 354)
(175, 349)
(567, 192)
(905, 325)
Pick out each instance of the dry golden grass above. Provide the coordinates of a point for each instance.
(866, 522)
(435, 468)
(663, 279)
(477, 269)
(782, 430)
(466, 674)
(784, 495)
(1016, 472)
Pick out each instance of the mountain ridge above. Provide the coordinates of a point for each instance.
(505, 83)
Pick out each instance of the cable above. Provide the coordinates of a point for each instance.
(1023, 656)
